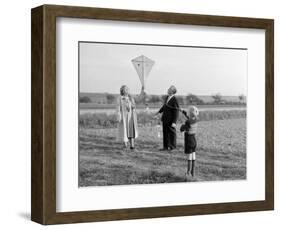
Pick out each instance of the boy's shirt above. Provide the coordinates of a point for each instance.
(190, 126)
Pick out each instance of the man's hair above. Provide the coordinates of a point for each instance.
(174, 89)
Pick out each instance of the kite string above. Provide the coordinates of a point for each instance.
(171, 107)
(175, 108)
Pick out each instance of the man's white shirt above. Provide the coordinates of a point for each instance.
(169, 98)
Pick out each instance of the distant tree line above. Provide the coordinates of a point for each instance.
(217, 99)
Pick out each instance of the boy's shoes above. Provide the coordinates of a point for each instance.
(132, 148)
(187, 176)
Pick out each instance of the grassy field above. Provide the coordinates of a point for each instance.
(221, 155)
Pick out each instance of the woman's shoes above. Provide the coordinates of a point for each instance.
(125, 146)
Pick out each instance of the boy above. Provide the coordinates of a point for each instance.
(190, 130)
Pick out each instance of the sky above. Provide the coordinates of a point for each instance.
(104, 67)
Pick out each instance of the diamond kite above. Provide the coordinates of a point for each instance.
(143, 66)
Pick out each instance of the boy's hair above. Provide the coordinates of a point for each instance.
(193, 111)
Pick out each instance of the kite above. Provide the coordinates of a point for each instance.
(143, 66)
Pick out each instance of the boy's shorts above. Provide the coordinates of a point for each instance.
(190, 143)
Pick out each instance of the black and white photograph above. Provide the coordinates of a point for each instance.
(156, 113)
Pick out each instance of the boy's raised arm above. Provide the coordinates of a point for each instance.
(182, 128)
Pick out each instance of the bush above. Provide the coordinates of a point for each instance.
(154, 99)
(217, 98)
(110, 98)
(85, 99)
(194, 100)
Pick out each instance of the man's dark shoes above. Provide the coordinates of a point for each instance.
(172, 149)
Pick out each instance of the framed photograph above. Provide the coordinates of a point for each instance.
(139, 114)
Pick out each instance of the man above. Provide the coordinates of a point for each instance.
(170, 113)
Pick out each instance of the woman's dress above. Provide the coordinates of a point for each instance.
(127, 119)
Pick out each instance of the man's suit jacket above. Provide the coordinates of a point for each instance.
(170, 111)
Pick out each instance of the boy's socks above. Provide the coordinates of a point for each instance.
(188, 166)
(193, 168)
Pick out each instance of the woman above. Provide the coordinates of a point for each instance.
(127, 118)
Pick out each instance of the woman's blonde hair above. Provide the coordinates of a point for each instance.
(123, 90)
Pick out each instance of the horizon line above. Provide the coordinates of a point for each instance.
(223, 95)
